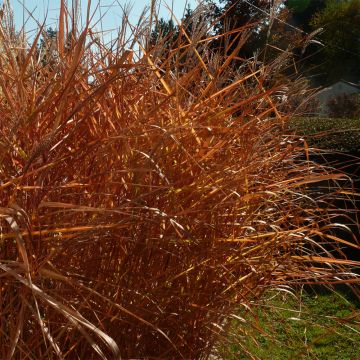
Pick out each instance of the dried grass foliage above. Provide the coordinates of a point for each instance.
(144, 201)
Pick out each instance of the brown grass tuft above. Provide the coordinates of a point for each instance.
(143, 201)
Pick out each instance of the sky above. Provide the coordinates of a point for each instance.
(110, 9)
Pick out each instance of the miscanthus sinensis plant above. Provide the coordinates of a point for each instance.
(145, 198)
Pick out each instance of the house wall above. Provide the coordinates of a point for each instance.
(339, 88)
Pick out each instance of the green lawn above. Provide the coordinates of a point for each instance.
(329, 133)
(305, 329)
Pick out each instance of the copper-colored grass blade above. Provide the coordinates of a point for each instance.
(73, 316)
(321, 259)
(19, 327)
(29, 55)
(191, 43)
(61, 32)
(233, 85)
(76, 229)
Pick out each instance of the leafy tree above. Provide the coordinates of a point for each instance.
(47, 46)
(341, 38)
(164, 29)
(167, 31)
(298, 5)
(166, 37)
(260, 17)
(303, 10)
(235, 14)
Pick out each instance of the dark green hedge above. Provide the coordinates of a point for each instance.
(329, 133)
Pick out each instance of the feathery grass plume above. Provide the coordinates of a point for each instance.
(142, 205)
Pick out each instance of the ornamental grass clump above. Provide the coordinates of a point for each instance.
(145, 199)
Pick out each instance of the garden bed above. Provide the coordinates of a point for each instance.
(335, 134)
